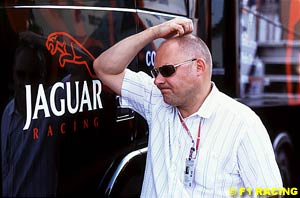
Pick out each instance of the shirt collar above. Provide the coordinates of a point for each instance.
(209, 105)
(207, 108)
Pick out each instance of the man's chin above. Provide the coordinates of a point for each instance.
(166, 100)
(169, 101)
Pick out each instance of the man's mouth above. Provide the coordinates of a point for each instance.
(165, 90)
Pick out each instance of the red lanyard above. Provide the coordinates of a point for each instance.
(189, 134)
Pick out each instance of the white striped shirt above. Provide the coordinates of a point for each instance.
(235, 149)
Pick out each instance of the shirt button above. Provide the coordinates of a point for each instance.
(172, 169)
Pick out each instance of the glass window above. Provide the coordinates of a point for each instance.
(269, 50)
(217, 25)
(178, 7)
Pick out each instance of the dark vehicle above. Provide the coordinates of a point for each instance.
(63, 132)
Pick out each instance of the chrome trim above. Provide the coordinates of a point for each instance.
(124, 118)
(279, 137)
(122, 165)
(78, 8)
(132, 10)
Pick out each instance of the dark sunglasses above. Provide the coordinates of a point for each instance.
(168, 70)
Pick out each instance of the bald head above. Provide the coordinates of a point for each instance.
(191, 46)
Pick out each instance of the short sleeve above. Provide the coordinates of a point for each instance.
(136, 92)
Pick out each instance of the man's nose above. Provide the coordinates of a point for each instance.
(159, 79)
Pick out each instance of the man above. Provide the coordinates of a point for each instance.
(201, 142)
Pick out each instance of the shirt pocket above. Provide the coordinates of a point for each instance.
(213, 170)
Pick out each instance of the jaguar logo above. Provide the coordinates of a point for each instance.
(69, 50)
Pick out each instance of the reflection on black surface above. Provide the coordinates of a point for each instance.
(29, 166)
(67, 154)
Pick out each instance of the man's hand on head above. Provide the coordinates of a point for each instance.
(173, 28)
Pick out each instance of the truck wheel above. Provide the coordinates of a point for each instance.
(283, 152)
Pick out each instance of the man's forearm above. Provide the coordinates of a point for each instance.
(114, 60)
(110, 65)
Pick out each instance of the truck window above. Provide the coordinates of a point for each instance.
(269, 50)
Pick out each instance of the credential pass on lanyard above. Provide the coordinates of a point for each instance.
(190, 161)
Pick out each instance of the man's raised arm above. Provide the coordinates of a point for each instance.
(110, 65)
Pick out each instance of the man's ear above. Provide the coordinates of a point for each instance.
(201, 66)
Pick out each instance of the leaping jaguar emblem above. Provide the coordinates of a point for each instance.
(69, 50)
